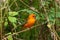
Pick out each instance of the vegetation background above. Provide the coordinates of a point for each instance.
(14, 13)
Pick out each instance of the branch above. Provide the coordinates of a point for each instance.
(23, 30)
(32, 8)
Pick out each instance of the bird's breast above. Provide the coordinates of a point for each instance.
(30, 22)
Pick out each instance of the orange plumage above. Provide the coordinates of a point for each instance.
(31, 20)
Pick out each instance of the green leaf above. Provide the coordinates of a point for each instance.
(15, 26)
(51, 15)
(13, 13)
(43, 3)
(6, 23)
(12, 19)
(58, 14)
(24, 10)
(27, 10)
(9, 37)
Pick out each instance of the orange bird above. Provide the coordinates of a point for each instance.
(30, 22)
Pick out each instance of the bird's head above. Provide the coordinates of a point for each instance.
(32, 16)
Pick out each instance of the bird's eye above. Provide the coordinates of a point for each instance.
(33, 16)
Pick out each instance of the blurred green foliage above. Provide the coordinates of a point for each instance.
(18, 12)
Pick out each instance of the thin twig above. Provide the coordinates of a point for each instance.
(16, 4)
(29, 7)
(18, 38)
(1, 22)
(23, 30)
(12, 3)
